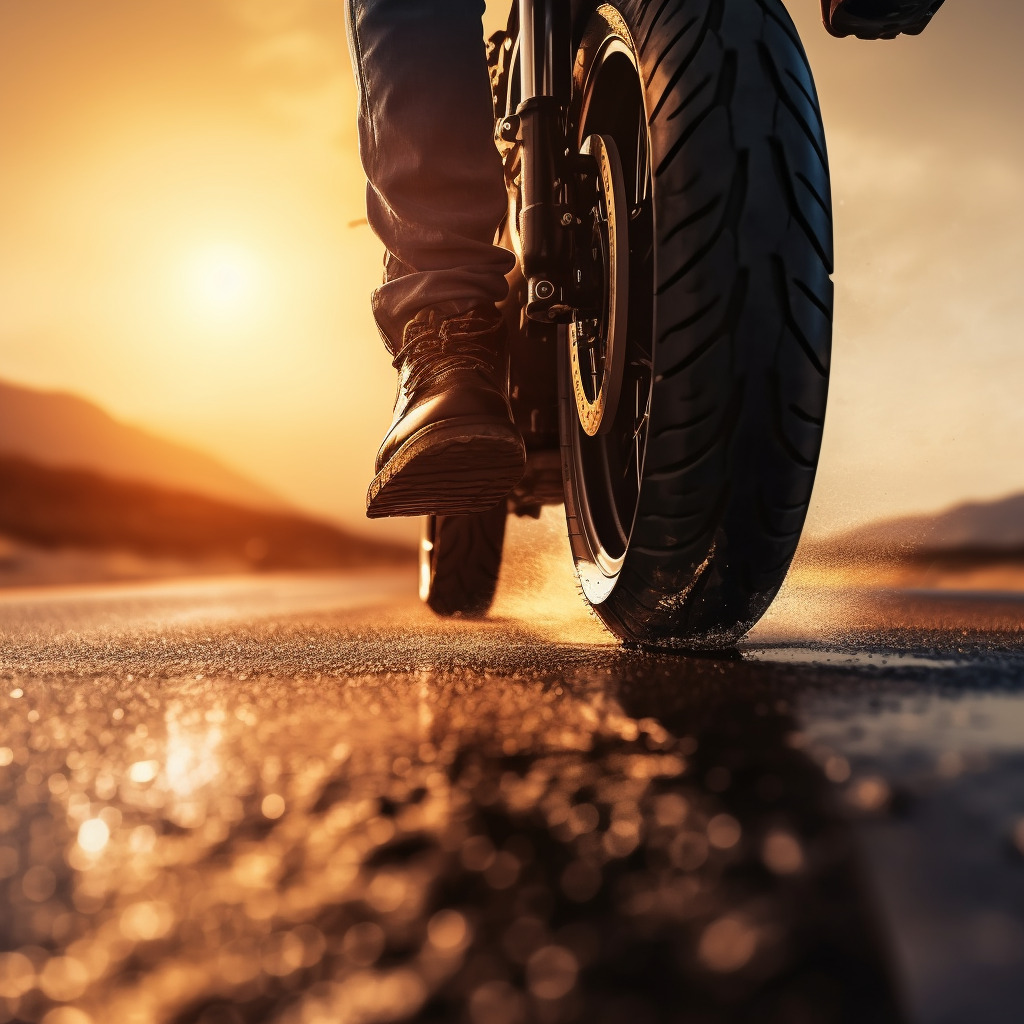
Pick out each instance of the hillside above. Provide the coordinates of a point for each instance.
(996, 526)
(62, 430)
(49, 509)
(978, 545)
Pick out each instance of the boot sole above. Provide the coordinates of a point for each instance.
(449, 468)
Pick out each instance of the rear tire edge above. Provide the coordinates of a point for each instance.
(459, 572)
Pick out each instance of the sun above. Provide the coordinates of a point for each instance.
(223, 280)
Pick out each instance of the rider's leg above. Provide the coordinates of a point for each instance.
(435, 193)
(878, 19)
(435, 197)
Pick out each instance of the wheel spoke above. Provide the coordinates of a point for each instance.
(640, 175)
(636, 437)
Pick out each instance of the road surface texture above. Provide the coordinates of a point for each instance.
(304, 800)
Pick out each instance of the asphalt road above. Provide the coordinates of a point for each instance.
(305, 800)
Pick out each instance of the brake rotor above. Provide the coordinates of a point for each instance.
(597, 350)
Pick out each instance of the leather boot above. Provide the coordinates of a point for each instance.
(877, 19)
(452, 447)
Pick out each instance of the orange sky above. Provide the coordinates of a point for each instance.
(178, 178)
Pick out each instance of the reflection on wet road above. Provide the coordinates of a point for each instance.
(306, 801)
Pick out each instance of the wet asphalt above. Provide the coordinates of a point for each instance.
(305, 800)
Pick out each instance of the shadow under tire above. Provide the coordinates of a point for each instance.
(684, 520)
(460, 560)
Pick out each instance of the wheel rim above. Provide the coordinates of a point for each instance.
(608, 464)
(428, 535)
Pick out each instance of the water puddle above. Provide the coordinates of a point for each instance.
(837, 659)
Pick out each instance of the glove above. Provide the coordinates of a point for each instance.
(877, 19)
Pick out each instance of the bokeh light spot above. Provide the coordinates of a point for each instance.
(727, 944)
(273, 805)
(782, 852)
(93, 835)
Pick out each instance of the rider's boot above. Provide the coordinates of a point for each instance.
(452, 447)
(878, 19)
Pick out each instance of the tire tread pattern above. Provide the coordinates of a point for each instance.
(465, 562)
(743, 318)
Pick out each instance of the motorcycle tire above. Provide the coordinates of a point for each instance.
(684, 516)
(460, 558)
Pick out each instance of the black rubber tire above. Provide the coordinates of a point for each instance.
(742, 322)
(460, 558)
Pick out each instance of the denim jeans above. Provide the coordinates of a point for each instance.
(435, 192)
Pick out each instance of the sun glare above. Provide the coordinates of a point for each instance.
(222, 280)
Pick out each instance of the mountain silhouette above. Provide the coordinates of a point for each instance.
(62, 430)
(53, 509)
(978, 525)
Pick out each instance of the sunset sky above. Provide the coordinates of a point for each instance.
(179, 240)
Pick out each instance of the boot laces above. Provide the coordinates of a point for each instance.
(458, 345)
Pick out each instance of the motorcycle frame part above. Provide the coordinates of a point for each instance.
(533, 387)
(613, 239)
(573, 178)
(533, 364)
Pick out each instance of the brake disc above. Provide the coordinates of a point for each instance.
(597, 350)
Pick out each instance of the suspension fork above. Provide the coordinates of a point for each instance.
(548, 167)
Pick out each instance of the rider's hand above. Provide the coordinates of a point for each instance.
(878, 19)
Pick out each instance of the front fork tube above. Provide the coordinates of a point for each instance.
(548, 163)
(546, 215)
